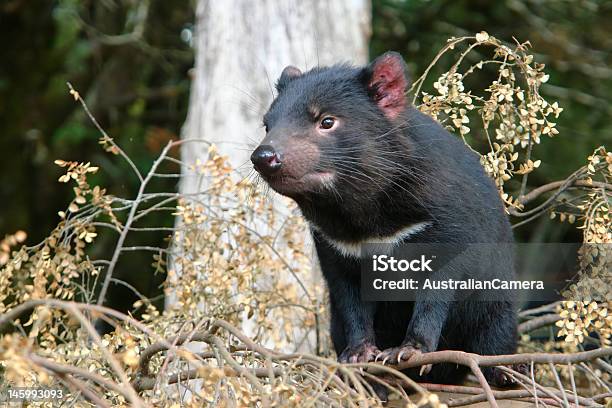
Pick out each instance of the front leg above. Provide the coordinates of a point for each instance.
(352, 323)
(429, 316)
(423, 333)
(352, 320)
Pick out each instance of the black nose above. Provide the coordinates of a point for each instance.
(266, 160)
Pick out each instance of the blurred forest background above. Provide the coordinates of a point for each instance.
(131, 61)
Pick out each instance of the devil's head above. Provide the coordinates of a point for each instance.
(332, 131)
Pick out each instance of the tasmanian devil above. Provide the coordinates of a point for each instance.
(364, 165)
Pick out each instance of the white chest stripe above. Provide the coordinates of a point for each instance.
(353, 249)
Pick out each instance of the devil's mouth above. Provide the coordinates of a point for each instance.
(309, 182)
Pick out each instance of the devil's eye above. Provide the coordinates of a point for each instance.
(327, 123)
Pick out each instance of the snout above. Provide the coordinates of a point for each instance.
(266, 160)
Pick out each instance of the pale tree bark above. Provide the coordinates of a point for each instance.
(241, 47)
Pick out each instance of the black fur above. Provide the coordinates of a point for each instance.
(391, 173)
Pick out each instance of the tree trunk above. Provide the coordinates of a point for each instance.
(241, 47)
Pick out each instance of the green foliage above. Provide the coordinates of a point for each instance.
(73, 133)
(129, 60)
(571, 38)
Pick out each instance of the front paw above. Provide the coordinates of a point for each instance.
(404, 352)
(499, 378)
(361, 353)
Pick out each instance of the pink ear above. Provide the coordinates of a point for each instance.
(387, 83)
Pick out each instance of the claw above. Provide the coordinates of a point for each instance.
(385, 361)
(425, 370)
(361, 353)
(399, 356)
